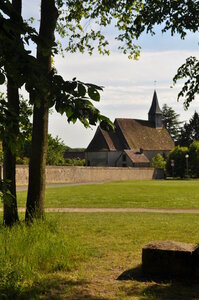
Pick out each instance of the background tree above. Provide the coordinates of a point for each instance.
(194, 158)
(55, 153)
(171, 122)
(190, 131)
(178, 156)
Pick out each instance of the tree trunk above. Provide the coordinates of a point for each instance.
(37, 168)
(10, 214)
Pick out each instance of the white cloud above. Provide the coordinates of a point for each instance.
(128, 88)
(128, 85)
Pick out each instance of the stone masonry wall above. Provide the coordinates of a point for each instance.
(65, 174)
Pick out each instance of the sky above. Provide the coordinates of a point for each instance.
(128, 84)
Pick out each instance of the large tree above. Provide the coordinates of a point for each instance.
(10, 214)
(70, 25)
(46, 88)
(171, 121)
(36, 187)
(72, 98)
(190, 131)
(14, 67)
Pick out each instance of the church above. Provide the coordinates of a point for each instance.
(132, 143)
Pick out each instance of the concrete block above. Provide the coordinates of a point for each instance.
(169, 259)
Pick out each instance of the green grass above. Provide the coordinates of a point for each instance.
(146, 194)
(79, 256)
(29, 253)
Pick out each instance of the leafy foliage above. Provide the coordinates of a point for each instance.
(74, 162)
(190, 131)
(194, 158)
(74, 99)
(9, 122)
(178, 156)
(190, 71)
(175, 16)
(171, 121)
(14, 58)
(55, 153)
(159, 162)
(83, 23)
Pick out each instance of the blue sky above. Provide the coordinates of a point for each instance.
(128, 85)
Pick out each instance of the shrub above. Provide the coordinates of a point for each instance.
(159, 162)
(194, 158)
(178, 156)
(74, 162)
(22, 161)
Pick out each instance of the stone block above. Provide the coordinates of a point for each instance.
(195, 263)
(167, 259)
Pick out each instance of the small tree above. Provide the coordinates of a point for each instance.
(194, 158)
(159, 162)
(178, 156)
(55, 153)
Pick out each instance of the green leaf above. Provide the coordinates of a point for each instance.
(81, 90)
(2, 78)
(93, 94)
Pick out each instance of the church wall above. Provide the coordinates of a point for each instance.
(124, 161)
(98, 159)
(113, 157)
(102, 158)
(73, 174)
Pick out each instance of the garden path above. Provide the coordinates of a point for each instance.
(117, 210)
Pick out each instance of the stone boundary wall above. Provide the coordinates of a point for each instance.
(73, 174)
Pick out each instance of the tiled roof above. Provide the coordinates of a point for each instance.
(104, 141)
(112, 140)
(142, 134)
(136, 157)
(131, 134)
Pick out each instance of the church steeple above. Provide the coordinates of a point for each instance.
(155, 113)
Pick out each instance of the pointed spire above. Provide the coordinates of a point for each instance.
(155, 108)
(155, 113)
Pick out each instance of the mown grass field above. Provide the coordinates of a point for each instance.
(80, 256)
(146, 194)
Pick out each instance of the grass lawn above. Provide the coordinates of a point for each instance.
(79, 256)
(146, 194)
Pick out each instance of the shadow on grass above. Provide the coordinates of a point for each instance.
(157, 288)
(53, 289)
